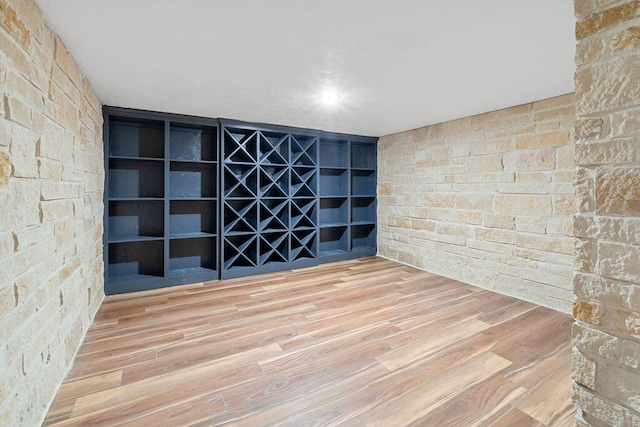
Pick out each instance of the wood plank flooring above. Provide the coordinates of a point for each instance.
(360, 343)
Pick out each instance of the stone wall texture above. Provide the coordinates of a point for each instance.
(487, 200)
(606, 334)
(51, 183)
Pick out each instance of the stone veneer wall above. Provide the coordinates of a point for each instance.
(487, 200)
(606, 335)
(51, 183)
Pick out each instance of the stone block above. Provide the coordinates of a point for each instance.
(24, 193)
(490, 220)
(626, 122)
(530, 160)
(495, 235)
(17, 85)
(13, 25)
(593, 406)
(523, 204)
(588, 129)
(590, 49)
(555, 114)
(33, 235)
(630, 354)
(602, 20)
(5, 169)
(618, 191)
(60, 190)
(17, 111)
(563, 206)
(598, 343)
(584, 184)
(23, 154)
(531, 224)
(457, 127)
(56, 210)
(583, 370)
(619, 261)
(627, 39)
(619, 385)
(49, 169)
(610, 152)
(554, 103)
(473, 201)
(626, 322)
(549, 139)
(608, 86)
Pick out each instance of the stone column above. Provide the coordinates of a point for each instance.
(606, 334)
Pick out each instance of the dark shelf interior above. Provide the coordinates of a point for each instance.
(135, 260)
(189, 180)
(363, 155)
(240, 145)
(363, 209)
(303, 182)
(334, 154)
(333, 240)
(303, 244)
(274, 247)
(129, 220)
(334, 211)
(304, 213)
(192, 217)
(363, 237)
(363, 183)
(240, 251)
(136, 138)
(136, 179)
(274, 181)
(274, 148)
(274, 214)
(189, 256)
(240, 180)
(303, 150)
(334, 182)
(193, 143)
(240, 216)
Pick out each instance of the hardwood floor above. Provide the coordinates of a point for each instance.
(359, 343)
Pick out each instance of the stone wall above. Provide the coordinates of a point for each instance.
(606, 335)
(487, 200)
(51, 182)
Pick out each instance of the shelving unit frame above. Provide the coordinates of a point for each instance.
(161, 199)
(191, 199)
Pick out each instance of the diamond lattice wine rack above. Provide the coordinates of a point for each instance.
(270, 191)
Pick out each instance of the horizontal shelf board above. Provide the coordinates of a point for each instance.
(363, 195)
(127, 239)
(334, 196)
(333, 224)
(196, 162)
(191, 271)
(372, 222)
(131, 278)
(332, 252)
(130, 199)
(364, 249)
(364, 169)
(149, 159)
(191, 235)
(193, 199)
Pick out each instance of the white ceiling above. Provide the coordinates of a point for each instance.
(398, 64)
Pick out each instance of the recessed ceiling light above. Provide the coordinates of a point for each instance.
(330, 96)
